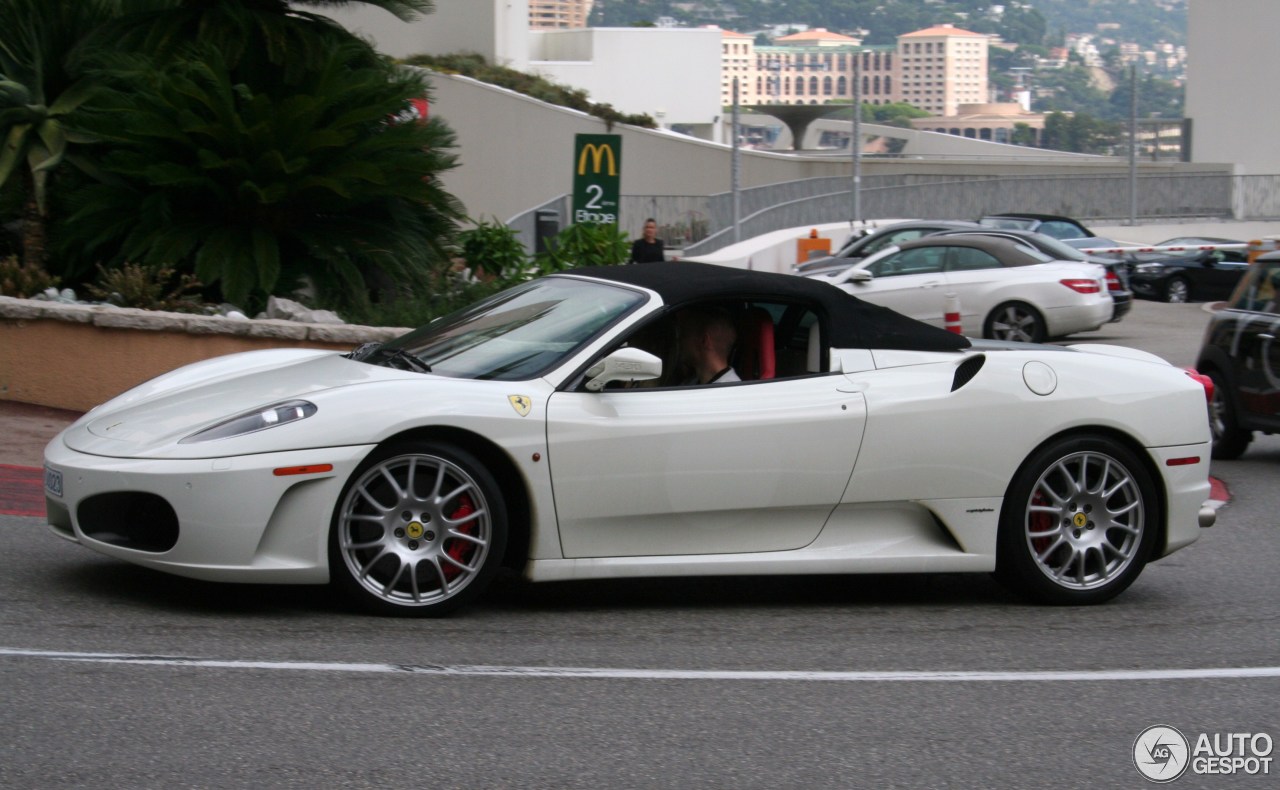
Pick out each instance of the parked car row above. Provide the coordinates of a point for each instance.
(1009, 282)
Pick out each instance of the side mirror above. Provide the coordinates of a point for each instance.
(625, 364)
(855, 275)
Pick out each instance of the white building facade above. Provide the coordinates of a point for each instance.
(1230, 69)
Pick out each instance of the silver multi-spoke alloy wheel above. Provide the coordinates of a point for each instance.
(1079, 522)
(1015, 321)
(417, 529)
(1177, 291)
(1085, 520)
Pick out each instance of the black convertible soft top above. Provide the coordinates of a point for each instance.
(851, 322)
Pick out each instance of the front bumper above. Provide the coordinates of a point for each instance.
(228, 519)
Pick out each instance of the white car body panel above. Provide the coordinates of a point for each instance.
(707, 471)
(980, 291)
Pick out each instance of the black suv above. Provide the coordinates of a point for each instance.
(1242, 356)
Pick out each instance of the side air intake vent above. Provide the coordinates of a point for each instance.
(966, 370)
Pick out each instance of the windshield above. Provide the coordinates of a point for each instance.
(519, 333)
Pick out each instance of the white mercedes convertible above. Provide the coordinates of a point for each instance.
(549, 429)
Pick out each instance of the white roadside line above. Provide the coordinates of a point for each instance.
(1218, 673)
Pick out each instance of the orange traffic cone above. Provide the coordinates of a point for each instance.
(951, 313)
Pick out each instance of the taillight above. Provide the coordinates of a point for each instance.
(1204, 380)
(1083, 286)
(1113, 282)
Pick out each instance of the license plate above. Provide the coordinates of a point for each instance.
(53, 482)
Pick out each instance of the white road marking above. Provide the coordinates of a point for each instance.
(1218, 673)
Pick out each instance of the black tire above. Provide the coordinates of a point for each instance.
(1229, 439)
(420, 529)
(1015, 321)
(1177, 290)
(1079, 522)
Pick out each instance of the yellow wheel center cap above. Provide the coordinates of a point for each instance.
(1080, 519)
(415, 530)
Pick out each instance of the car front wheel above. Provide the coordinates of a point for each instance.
(1229, 439)
(1079, 522)
(1015, 321)
(1177, 291)
(420, 529)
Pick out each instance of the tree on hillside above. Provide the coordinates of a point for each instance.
(39, 92)
(253, 191)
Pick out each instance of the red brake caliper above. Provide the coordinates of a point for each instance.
(457, 549)
(1041, 523)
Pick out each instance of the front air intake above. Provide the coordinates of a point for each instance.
(131, 520)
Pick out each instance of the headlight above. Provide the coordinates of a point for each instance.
(1149, 268)
(254, 421)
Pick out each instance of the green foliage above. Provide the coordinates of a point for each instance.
(475, 66)
(148, 288)
(492, 249)
(252, 191)
(1080, 133)
(20, 280)
(39, 92)
(584, 244)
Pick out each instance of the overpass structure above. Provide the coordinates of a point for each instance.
(516, 158)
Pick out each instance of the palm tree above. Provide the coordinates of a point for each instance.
(39, 91)
(252, 190)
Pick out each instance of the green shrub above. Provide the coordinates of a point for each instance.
(493, 250)
(584, 244)
(21, 280)
(148, 288)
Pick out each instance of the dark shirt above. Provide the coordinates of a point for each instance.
(647, 252)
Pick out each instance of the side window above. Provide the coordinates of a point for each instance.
(759, 341)
(890, 239)
(963, 259)
(1259, 289)
(925, 260)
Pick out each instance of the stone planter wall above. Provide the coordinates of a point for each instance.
(77, 356)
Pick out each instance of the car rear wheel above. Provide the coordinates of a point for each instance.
(1177, 291)
(1079, 522)
(1229, 439)
(1015, 321)
(420, 529)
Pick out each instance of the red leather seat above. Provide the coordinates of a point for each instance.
(755, 355)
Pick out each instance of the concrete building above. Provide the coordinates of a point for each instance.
(996, 122)
(1230, 72)
(558, 14)
(936, 69)
(941, 68)
(496, 29)
(617, 65)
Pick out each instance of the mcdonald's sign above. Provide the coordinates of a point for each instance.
(597, 178)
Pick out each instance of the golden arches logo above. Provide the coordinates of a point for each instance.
(598, 153)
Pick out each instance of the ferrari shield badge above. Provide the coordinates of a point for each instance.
(521, 404)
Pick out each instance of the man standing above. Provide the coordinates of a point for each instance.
(648, 248)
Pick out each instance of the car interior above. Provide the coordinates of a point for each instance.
(774, 341)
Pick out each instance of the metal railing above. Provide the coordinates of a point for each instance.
(703, 224)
